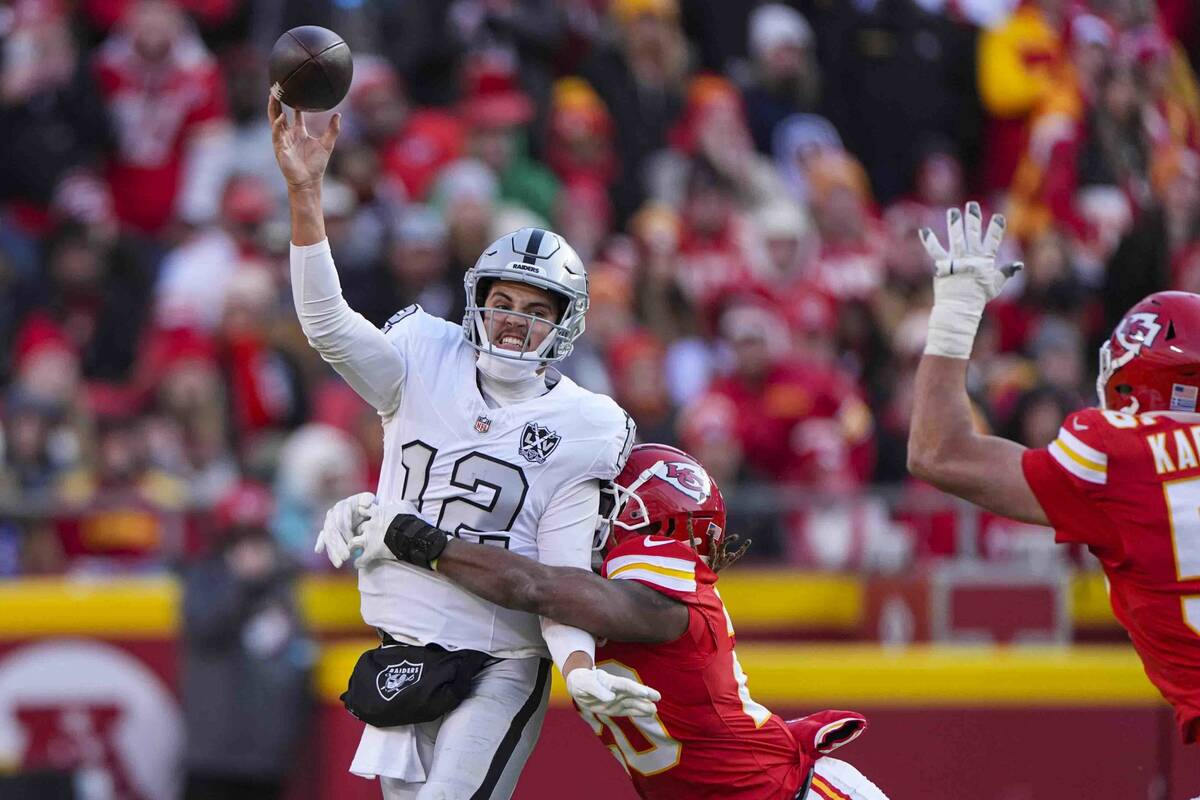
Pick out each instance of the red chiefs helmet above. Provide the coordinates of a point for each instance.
(1152, 360)
(665, 492)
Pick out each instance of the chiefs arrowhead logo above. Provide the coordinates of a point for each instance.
(687, 478)
(1138, 330)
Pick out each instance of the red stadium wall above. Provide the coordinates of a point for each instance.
(985, 723)
(983, 753)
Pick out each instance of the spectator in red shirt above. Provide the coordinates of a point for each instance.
(717, 246)
(580, 138)
(583, 216)
(714, 128)
(851, 262)
(791, 244)
(165, 95)
(798, 422)
(265, 394)
(636, 363)
(1021, 63)
(413, 143)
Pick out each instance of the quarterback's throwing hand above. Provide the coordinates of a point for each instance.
(966, 278)
(302, 157)
(596, 691)
(341, 523)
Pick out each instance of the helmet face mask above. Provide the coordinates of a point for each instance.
(537, 258)
(1152, 360)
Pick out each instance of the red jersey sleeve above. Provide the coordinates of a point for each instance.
(210, 98)
(1069, 479)
(665, 565)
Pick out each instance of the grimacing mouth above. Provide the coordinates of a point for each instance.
(510, 341)
(512, 338)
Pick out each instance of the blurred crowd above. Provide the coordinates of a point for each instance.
(743, 180)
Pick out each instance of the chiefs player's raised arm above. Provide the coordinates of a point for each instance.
(623, 611)
(945, 449)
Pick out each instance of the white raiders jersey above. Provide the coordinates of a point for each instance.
(484, 474)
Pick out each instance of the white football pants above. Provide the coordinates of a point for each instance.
(476, 752)
(836, 780)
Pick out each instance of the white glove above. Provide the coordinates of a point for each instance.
(597, 691)
(965, 279)
(367, 543)
(340, 524)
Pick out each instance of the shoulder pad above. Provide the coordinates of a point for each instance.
(601, 410)
(664, 564)
(1080, 447)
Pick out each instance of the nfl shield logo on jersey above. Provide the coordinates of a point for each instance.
(537, 442)
(398, 677)
(482, 424)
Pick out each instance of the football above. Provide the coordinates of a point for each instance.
(310, 68)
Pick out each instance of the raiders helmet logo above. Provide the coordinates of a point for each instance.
(1138, 330)
(687, 478)
(396, 678)
(537, 443)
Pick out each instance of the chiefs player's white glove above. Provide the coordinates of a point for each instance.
(596, 691)
(368, 544)
(965, 279)
(340, 524)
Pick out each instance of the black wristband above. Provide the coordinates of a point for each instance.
(414, 541)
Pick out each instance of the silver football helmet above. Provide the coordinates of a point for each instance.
(536, 257)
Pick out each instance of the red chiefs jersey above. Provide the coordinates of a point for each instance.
(805, 423)
(1128, 487)
(154, 109)
(709, 738)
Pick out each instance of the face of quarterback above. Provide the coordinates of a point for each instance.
(507, 331)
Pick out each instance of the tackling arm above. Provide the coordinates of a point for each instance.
(624, 611)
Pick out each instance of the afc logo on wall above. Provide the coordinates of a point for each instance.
(90, 708)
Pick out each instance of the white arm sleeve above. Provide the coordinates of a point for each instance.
(565, 540)
(345, 339)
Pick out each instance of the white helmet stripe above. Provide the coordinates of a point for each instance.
(533, 248)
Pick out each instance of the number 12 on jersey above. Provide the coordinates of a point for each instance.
(491, 491)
